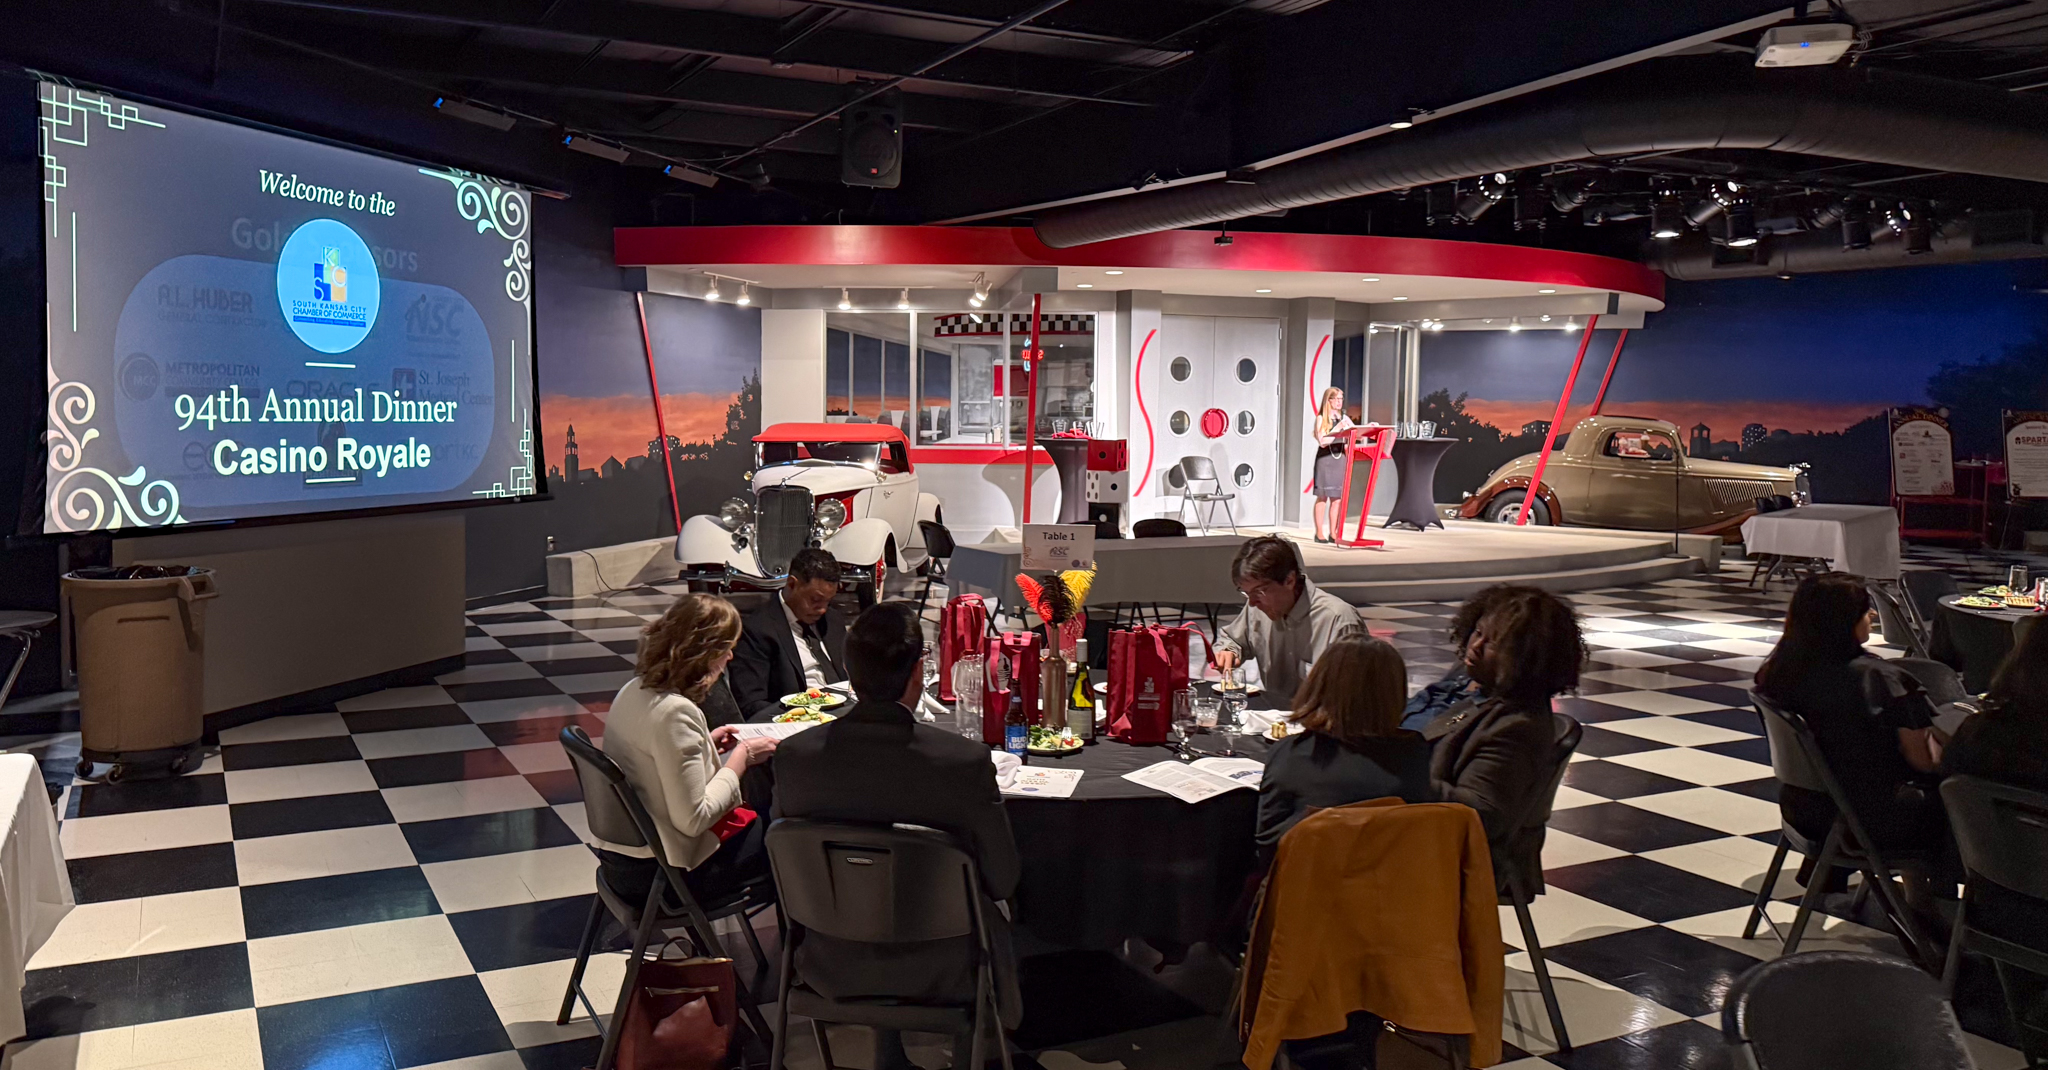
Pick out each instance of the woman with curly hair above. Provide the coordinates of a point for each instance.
(658, 736)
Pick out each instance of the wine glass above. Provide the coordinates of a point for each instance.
(1183, 724)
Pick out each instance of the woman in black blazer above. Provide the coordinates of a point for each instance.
(1354, 748)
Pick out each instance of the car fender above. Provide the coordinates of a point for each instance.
(1475, 506)
(861, 542)
(703, 542)
(927, 509)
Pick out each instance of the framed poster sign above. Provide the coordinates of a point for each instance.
(2026, 453)
(1923, 458)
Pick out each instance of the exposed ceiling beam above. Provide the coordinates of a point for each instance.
(742, 37)
(958, 17)
(930, 113)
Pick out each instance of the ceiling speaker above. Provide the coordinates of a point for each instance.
(871, 143)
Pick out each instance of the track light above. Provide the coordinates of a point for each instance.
(598, 149)
(1739, 224)
(903, 301)
(845, 302)
(686, 173)
(1437, 326)
(1530, 204)
(711, 292)
(1485, 193)
(1667, 218)
(470, 113)
(1701, 212)
(981, 289)
(1515, 324)
(1570, 192)
(1545, 318)
(1916, 229)
(1571, 325)
(744, 298)
(1439, 204)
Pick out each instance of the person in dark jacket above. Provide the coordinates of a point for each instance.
(1353, 749)
(878, 764)
(1455, 685)
(792, 642)
(2008, 742)
(1494, 754)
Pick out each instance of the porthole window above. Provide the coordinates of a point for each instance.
(1247, 370)
(1174, 479)
(1245, 422)
(1180, 369)
(1243, 475)
(1180, 421)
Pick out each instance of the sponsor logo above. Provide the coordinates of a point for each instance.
(139, 377)
(327, 286)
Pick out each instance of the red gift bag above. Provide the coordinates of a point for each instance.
(1021, 650)
(963, 630)
(680, 1016)
(1146, 666)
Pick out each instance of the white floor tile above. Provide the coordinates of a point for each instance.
(392, 698)
(1562, 917)
(1755, 648)
(1747, 665)
(1737, 860)
(611, 635)
(564, 651)
(1708, 616)
(490, 711)
(147, 830)
(1639, 679)
(1633, 659)
(472, 643)
(520, 877)
(537, 757)
(302, 855)
(461, 798)
(1823, 932)
(572, 815)
(1562, 849)
(1735, 631)
(1991, 1055)
(1618, 623)
(527, 997)
(497, 1060)
(486, 614)
(1623, 640)
(354, 958)
(224, 1041)
(1386, 613)
(480, 674)
(1675, 731)
(1568, 796)
(1593, 1010)
(270, 730)
(576, 613)
(1657, 702)
(93, 932)
(531, 627)
(437, 740)
(1722, 811)
(592, 683)
(298, 781)
(1695, 766)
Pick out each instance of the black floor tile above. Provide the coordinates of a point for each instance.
(526, 933)
(1765, 789)
(1734, 720)
(532, 639)
(1685, 653)
(401, 717)
(331, 902)
(1711, 674)
(282, 817)
(1079, 995)
(141, 988)
(1613, 781)
(573, 666)
(1590, 710)
(1749, 750)
(1647, 889)
(289, 752)
(539, 729)
(1600, 743)
(530, 687)
(519, 616)
(564, 1055)
(1724, 694)
(99, 800)
(496, 656)
(1665, 966)
(628, 647)
(578, 602)
(414, 769)
(103, 878)
(410, 1025)
(1679, 1046)
(557, 786)
(473, 632)
(616, 620)
(1623, 826)
(488, 834)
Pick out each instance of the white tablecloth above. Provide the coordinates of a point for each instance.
(35, 889)
(1863, 539)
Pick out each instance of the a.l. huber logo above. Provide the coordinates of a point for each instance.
(139, 377)
(327, 285)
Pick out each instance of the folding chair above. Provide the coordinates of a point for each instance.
(616, 815)
(938, 545)
(2002, 834)
(1519, 889)
(1797, 761)
(1198, 469)
(1830, 1009)
(1900, 630)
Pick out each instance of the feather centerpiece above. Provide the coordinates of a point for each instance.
(1059, 602)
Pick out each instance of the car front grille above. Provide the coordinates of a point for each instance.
(782, 526)
(1731, 494)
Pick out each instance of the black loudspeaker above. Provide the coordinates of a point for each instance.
(871, 143)
(1108, 518)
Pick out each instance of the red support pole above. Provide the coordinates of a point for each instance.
(660, 424)
(1031, 406)
(1609, 377)
(1550, 437)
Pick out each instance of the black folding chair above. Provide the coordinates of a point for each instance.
(1828, 1010)
(616, 815)
(938, 544)
(1900, 629)
(1518, 889)
(881, 884)
(1797, 761)
(2002, 834)
(1925, 588)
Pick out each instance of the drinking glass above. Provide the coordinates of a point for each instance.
(967, 688)
(1205, 711)
(1183, 718)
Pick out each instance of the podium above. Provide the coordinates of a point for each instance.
(1368, 442)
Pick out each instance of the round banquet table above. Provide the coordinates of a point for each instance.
(1118, 860)
(1973, 641)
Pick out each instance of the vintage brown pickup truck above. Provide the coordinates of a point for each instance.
(1632, 472)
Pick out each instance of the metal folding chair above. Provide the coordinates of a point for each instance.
(1518, 889)
(1198, 469)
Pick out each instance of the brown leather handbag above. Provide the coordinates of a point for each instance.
(680, 1016)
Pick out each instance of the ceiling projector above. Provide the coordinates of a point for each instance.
(1810, 45)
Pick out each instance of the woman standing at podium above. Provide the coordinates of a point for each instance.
(1331, 423)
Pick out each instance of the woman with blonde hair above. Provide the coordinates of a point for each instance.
(1331, 423)
(1354, 748)
(657, 734)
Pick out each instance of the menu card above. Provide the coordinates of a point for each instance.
(1188, 783)
(1043, 782)
(782, 730)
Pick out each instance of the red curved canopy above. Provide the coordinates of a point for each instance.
(831, 433)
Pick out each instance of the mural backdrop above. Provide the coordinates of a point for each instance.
(1769, 371)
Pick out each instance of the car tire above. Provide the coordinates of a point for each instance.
(1507, 505)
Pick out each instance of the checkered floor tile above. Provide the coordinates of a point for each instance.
(399, 881)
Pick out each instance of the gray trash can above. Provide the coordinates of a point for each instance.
(141, 657)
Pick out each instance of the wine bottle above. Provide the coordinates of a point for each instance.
(1081, 703)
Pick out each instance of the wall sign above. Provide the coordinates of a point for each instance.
(1058, 547)
(1923, 461)
(2026, 453)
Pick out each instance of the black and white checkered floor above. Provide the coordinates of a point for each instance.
(399, 882)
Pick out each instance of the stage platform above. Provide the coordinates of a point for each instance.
(1441, 565)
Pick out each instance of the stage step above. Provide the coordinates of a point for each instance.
(1456, 588)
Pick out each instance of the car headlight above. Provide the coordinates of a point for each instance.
(830, 515)
(735, 514)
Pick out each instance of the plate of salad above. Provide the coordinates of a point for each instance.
(803, 714)
(1043, 740)
(813, 698)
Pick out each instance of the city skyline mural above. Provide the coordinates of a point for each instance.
(1777, 371)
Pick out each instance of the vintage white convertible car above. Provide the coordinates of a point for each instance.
(849, 488)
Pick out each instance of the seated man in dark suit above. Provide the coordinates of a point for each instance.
(791, 643)
(878, 764)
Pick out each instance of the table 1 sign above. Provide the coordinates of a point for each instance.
(1058, 547)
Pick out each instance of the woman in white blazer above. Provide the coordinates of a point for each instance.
(672, 758)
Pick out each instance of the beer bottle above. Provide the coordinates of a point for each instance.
(1016, 727)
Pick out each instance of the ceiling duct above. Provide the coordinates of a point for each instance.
(2007, 235)
(1674, 105)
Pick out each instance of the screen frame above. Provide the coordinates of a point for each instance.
(32, 79)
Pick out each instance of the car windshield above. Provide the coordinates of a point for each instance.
(861, 453)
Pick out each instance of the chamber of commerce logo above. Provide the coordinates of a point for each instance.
(327, 285)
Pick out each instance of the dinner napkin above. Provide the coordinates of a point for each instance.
(1006, 765)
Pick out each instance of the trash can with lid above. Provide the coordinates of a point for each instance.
(141, 656)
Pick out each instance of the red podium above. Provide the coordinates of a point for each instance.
(1367, 442)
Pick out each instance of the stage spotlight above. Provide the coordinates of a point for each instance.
(1545, 318)
(598, 149)
(1515, 324)
(470, 113)
(980, 294)
(903, 300)
(1530, 204)
(744, 298)
(1739, 225)
(1439, 204)
(1855, 226)
(1917, 229)
(1485, 193)
(1667, 218)
(845, 301)
(1702, 211)
(685, 173)
(711, 291)
(1571, 325)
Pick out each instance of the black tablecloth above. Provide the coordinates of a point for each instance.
(1415, 461)
(1119, 860)
(1975, 641)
